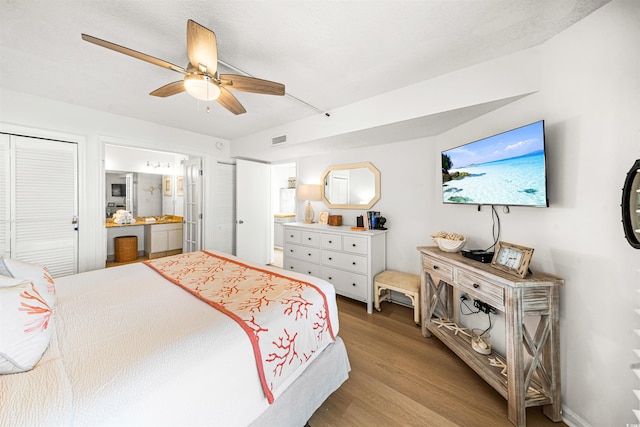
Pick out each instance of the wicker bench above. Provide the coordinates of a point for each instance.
(405, 283)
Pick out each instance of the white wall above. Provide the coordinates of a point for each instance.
(589, 96)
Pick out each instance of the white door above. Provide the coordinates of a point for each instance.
(253, 211)
(192, 217)
(224, 209)
(44, 203)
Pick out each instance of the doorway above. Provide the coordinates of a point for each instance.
(283, 202)
(155, 188)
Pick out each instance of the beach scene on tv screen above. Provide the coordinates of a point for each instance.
(505, 169)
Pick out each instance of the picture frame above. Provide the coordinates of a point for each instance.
(511, 258)
(180, 186)
(323, 218)
(167, 186)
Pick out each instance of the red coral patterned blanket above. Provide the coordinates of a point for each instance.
(286, 319)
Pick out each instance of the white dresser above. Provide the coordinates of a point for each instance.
(346, 258)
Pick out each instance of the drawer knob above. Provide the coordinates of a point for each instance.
(330, 277)
(354, 245)
(291, 250)
(308, 272)
(308, 238)
(353, 284)
(291, 268)
(476, 286)
(330, 241)
(354, 263)
(435, 267)
(309, 254)
(330, 258)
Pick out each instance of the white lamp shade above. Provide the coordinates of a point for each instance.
(201, 87)
(309, 192)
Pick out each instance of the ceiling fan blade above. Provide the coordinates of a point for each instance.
(169, 89)
(134, 53)
(201, 47)
(230, 102)
(251, 84)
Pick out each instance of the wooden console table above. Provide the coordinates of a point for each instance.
(532, 361)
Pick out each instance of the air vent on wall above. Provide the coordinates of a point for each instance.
(278, 140)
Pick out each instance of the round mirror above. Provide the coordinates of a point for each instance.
(353, 186)
(631, 206)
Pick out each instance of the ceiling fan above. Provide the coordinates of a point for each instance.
(201, 79)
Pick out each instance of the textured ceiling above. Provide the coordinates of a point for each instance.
(327, 53)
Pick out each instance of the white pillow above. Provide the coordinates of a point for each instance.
(25, 324)
(38, 274)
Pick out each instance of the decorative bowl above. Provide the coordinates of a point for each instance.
(448, 245)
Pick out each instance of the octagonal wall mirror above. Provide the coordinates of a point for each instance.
(352, 186)
(631, 205)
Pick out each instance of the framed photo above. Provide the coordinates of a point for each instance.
(512, 259)
(323, 218)
(167, 186)
(180, 186)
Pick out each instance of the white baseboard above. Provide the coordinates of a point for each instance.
(572, 419)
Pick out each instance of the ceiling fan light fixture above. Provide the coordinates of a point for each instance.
(201, 87)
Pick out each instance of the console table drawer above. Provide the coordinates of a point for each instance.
(348, 284)
(486, 291)
(304, 253)
(355, 263)
(437, 269)
(302, 267)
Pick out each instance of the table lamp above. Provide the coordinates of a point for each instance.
(309, 192)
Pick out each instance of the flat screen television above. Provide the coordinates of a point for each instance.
(118, 190)
(507, 169)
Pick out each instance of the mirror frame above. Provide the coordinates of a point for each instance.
(367, 165)
(628, 191)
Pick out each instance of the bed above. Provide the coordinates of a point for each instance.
(129, 347)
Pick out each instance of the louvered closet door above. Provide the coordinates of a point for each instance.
(45, 203)
(5, 196)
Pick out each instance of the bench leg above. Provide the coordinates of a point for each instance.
(415, 301)
(386, 296)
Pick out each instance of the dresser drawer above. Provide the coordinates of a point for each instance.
(348, 284)
(304, 253)
(482, 289)
(292, 264)
(356, 245)
(292, 236)
(332, 241)
(351, 262)
(437, 269)
(310, 238)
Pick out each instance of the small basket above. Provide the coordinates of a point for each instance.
(448, 245)
(126, 248)
(335, 220)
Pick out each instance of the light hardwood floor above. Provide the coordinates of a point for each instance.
(400, 378)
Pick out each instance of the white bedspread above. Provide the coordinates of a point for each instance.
(130, 348)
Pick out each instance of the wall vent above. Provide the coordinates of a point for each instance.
(278, 140)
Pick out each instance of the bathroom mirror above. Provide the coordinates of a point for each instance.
(145, 194)
(352, 186)
(631, 205)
